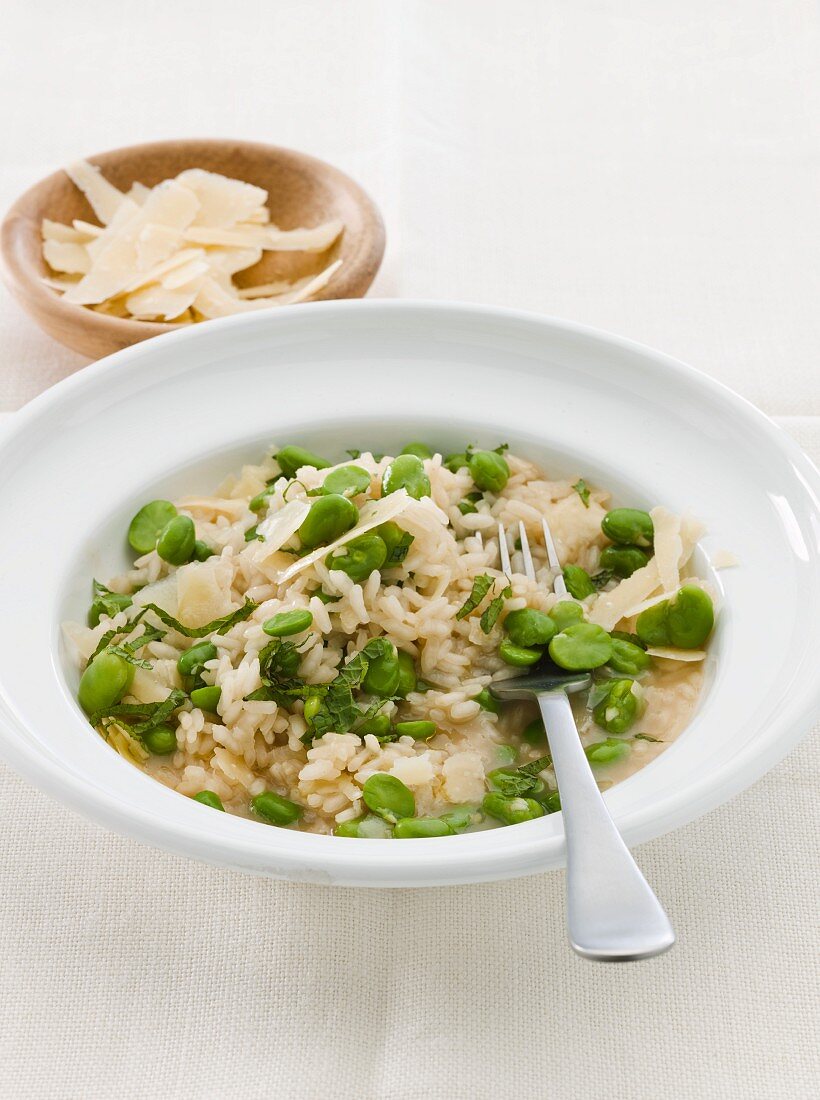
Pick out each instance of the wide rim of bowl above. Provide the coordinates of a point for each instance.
(28, 287)
(502, 852)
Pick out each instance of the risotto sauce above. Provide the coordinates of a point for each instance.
(314, 645)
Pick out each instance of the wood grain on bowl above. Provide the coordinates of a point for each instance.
(302, 191)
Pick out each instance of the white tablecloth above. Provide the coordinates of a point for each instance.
(642, 166)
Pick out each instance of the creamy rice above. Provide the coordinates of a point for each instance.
(252, 746)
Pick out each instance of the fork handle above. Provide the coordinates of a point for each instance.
(612, 914)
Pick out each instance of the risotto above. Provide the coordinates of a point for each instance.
(314, 645)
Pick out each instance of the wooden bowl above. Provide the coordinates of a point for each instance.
(302, 191)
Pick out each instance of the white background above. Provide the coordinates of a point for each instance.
(645, 166)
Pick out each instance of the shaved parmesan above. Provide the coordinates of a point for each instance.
(154, 301)
(279, 240)
(87, 229)
(103, 197)
(163, 593)
(169, 252)
(309, 288)
(56, 231)
(373, 513)
(222, 201)
(139, 193)
(668, 547)
(213, 506)
(66, 256)
(204, 592)
(266, 290)
(724, 559)
(691, 531)
(671, 654)
(156, 243)
(183, 275)
(611, 607)
(276, 530)
(282, 525)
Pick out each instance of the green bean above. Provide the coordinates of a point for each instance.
(359, 557)
(407, 675)
(529, 627)
(209, 798)
(202, 551)
(395, 539)
(489, 470)
(620, 707)
(628, 527)
(206, 698)
(177, 540)
(260, 502)
(406, 472)
(487, 702)
(369, 827)
(551, 802)
(420, 450)
(535, 733)
(690, 618)
(581, 647)
(511, 810)
(388, 797)
(628, 658)
(519, 656)
(191, 663)
(379, 726)
(419, 731)
(161, 740)
(104, 682)
(383, 675)
(328, 518)
(409, 828)
(461, 817)
(566, 613)
(578, 581)
(347, 481)
(607, 752)
(456, 462)
(685, 620)
(292, 459)
(623, 560)
(651, 625)
(145, 527)
(287, 623)
(277, 810)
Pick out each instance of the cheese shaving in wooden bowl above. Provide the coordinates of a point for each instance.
(169, 253)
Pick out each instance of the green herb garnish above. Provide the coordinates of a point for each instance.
(468, 505)
(398, 553)
(481, 586)
(582, 489)
(106, 602)
(490, 616)
(217, 626)
(152, 714)
(602, 577)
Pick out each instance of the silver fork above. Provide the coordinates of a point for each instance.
(612, 913)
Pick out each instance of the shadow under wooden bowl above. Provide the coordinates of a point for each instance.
(302, 191)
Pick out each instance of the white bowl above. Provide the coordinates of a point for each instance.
(176, 413)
